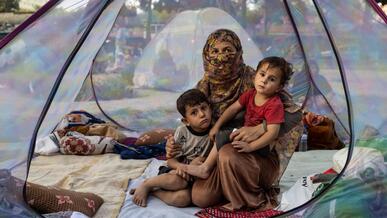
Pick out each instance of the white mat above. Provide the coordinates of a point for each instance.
(301, 164)
(296, 186)
(155, 208)
(304, 164)
(105, 175)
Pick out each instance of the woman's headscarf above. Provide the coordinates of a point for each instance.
(225, 75)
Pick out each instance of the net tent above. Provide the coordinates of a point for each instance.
(28, 76)
(355, 39)
(101, 56)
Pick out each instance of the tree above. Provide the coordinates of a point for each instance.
(167, 5)
(9, 5)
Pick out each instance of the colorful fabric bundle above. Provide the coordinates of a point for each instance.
(78, 118)
(321, 132)
(79, 144)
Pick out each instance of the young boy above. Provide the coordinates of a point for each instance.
(262, 104)
(173, 187)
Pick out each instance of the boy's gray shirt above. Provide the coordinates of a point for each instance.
(193, 144)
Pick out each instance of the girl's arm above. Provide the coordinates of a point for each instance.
(228, 114)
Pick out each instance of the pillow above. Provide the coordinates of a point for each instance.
(153, 137)
(78, 144)
(51, 199)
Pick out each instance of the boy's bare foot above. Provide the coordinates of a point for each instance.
(140, 194)
(200, 171)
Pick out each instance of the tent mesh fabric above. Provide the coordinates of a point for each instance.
(135, 62)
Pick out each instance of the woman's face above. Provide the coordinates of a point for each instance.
(222, 54)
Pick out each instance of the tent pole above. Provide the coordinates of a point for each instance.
(341, 69)
(99, 106)
(348, 100)
(307, 68)
(314, 199)
(27, 22)
(301, 47)
(57, 83)
(378, 10)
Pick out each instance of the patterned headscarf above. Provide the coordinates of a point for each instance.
(226, 76)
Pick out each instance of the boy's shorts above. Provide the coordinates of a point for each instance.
(164, 169)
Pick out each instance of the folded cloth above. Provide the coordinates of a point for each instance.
(323, 178)
(140, 152)
(47, 145)
(103, 129)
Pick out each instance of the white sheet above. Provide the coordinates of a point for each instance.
(296, 186)
(104, 175)
(156, 208)
(301, 164)
(304, 164)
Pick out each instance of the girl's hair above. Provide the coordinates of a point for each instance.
(285, 67)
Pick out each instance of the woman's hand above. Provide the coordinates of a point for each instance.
(214, 130)
(247, 134)
(171, 147)
(241, 146)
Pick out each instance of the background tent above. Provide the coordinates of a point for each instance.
(80, 54)
(165, 64)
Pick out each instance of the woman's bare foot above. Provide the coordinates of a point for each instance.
(140, 194)
(200, 171)
(227, 207)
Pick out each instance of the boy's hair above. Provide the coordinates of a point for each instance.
(285, 67)
(191, 98)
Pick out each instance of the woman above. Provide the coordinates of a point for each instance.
(231, 182)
